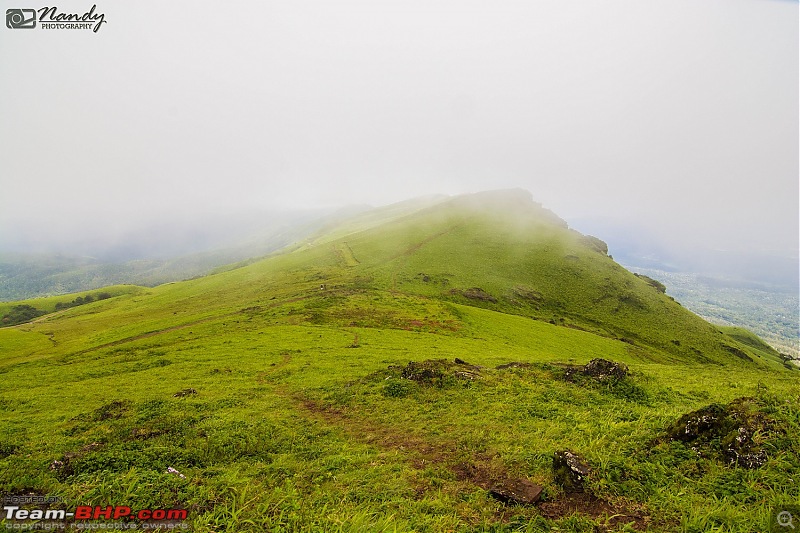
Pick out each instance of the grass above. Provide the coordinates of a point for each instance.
(302, 420)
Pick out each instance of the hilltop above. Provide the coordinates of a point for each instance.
(399, 370)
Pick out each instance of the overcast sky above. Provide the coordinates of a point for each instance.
(681, 115)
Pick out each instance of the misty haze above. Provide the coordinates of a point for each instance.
(400, 266)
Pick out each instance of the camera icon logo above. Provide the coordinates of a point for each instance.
(20, 18)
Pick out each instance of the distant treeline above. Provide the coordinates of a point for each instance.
(20, 314)
(25, 313)
(80, 300)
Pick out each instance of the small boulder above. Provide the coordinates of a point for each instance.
(602, 370)
(730, 430)
(570, 470)
(518, 490)
(429, 371)
(703, 423)
(184, 393)
(438, 371)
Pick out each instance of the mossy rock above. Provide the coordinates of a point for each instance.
(727, 430)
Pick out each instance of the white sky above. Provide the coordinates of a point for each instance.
(681, 115)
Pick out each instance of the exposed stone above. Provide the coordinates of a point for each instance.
(518, 490)
(570, 470)
(185, 392)
(598, 370)
(727, 430)
(701, 423)
(434, 371)
(425, 371)
(602, 369)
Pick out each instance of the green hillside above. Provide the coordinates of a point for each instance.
(398, 372)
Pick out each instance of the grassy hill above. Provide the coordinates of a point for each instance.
(283, 393)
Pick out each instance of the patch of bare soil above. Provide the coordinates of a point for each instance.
(480, 470)
(587, 504)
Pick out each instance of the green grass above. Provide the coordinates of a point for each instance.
(302, 421)
(48, 304)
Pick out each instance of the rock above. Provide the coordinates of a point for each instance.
(185, 392)
(598, 370)
(602, 369)
(425, 371)
(435, 371)
(63, 468)
(570, 470)
(519, 490)
(704, 423)
(727, 430)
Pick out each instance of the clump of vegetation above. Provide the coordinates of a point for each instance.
(20, 314)
(112, 410)
(7, 448)
(82, 300)
(397, 388)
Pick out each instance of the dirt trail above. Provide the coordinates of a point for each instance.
(482, 470)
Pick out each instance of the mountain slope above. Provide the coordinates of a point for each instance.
(283, 392)
(523, 260)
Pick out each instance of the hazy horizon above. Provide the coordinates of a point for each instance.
(679, 119)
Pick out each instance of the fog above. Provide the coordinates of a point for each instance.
(677, 118)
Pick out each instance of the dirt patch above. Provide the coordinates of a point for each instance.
(522, 294)
(594, 507)
(474, 293)
(481, 470)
